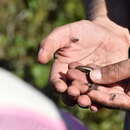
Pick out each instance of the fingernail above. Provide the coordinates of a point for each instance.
(95, 75)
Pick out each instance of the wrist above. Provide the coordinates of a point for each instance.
(96, 8)
(103, 21)
(110, 25)
(106, 22)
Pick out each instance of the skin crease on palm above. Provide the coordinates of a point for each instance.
(99, 42)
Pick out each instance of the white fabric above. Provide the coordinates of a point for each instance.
(14, 91)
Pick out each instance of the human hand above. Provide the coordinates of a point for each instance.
(117, 94)
(79, 85)
(114, 91)
(98, 42)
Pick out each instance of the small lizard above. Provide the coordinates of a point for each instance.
(91, 85)
(87, 70)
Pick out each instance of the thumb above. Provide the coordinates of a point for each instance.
(58, 39)
(111, 73)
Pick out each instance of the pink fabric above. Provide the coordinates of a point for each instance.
(20, 119)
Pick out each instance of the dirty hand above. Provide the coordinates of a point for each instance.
(115, 89)
(100, 42)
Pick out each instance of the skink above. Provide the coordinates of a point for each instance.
(87, 70)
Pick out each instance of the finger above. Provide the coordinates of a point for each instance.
(84, 101)
(74, 74)
(79, 82)
(111, 73)
(113, 100)
(59, 85)
(57, 39)
(77, 88)
(82, 87)
(94, 108)
(73, 91)
(57, 78)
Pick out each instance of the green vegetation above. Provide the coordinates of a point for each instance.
(23, 24)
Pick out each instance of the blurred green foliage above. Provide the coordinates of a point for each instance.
(23, 24)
